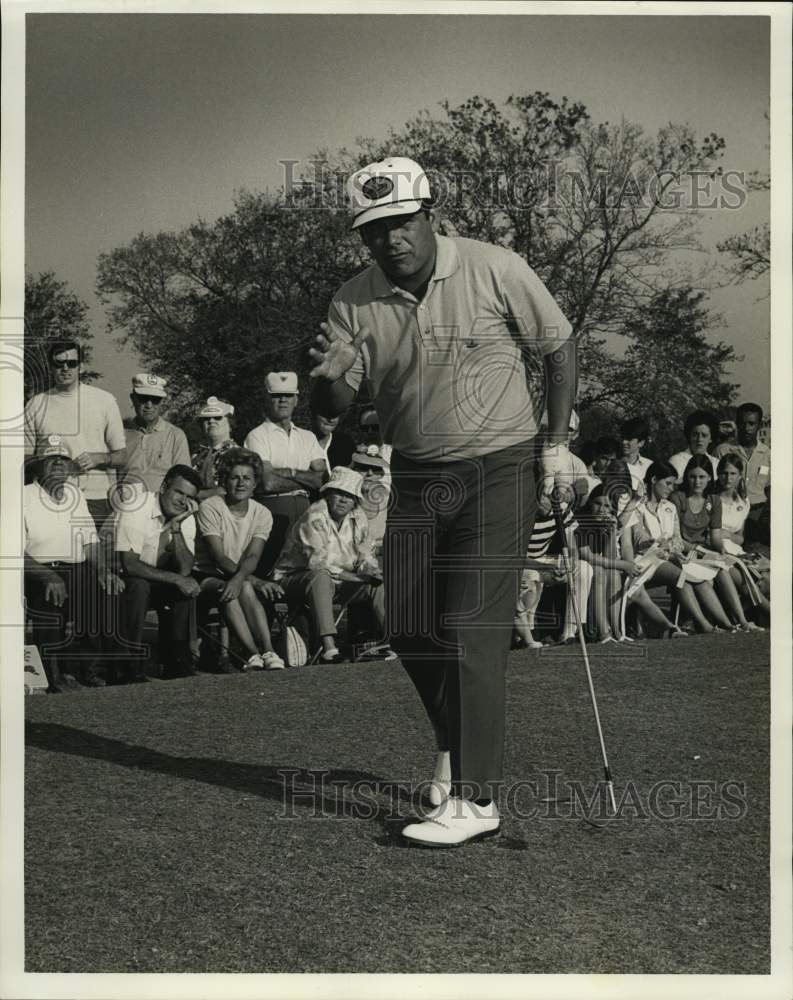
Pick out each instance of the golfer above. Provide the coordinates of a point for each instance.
(443, 331)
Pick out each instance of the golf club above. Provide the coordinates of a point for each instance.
(568, 567)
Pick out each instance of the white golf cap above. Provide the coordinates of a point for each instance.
(144, 384)
(53, 444)
(282, 383)
(395, 186)
(215, 407)
(345, 481)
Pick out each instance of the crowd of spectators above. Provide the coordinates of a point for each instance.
(289, 528)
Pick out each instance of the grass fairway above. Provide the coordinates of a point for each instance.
(157, 842)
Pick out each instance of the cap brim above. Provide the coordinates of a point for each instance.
(389, 209)
(150, 392)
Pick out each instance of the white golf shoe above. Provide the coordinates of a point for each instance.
(441, 783)
(453, 823)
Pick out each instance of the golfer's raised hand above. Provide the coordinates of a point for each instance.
(334, 356)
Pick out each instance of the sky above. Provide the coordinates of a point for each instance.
(145, 122)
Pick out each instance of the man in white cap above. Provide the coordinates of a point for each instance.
(293, 462)
(442, 331)
(154, 444)
(87, 420)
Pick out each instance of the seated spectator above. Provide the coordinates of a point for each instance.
(607, 449)
(700, 431)
(545, 567)
(598, 538)
(66, 578)
(634, 433)
(293, 464)
(756, 462)
(328, 555)
(232, 531)
(369, 462)
(155, 540)
(337, 445)
(214, 419)
(731, 490)
(154, 445)
(699, 514)
(652, 538)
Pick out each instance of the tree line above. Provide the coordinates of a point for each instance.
(605, 214)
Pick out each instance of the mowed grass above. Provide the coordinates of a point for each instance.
(157, 839)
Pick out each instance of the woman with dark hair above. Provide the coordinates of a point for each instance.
(232, 531)
(700, 430)
(700, 512)
(652, 537)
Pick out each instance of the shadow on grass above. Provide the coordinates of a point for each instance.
(331, 793)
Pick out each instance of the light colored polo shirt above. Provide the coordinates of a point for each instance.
(140, 525)
(292, 449)
(57, 531)
(152, 452)
(757, 468)
(87, 419)
(448, 374)
(235, 533)
(681, 460)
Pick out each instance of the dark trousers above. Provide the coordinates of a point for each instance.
(76, 651)
(173, 611)
(285, 510)
(454, 547)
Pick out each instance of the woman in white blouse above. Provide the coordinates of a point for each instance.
(652, 536)
(232, 531)
(328, 555)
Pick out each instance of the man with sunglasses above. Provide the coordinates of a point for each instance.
(154, 444)
(86, 419)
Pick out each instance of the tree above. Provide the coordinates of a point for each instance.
(597, 211)
(669, 368)
(749, 253)
(52, 312)
(216, 306)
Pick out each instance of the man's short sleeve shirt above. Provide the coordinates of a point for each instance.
(140, 525)
(450, 376)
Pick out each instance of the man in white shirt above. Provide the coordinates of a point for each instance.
(66, 577)
(293, 462)
(155, 541)
(87, 420)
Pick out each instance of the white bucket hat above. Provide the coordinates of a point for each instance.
(345, 481)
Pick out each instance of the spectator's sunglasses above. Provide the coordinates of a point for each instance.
(65, 363)
(154, 400)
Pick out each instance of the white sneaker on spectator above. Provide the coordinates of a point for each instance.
(272, 661)
(254, 662)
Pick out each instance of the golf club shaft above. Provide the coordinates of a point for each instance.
(568, 565)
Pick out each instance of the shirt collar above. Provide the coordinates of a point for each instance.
(447, 261)
(156, 509)
(159, 425)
